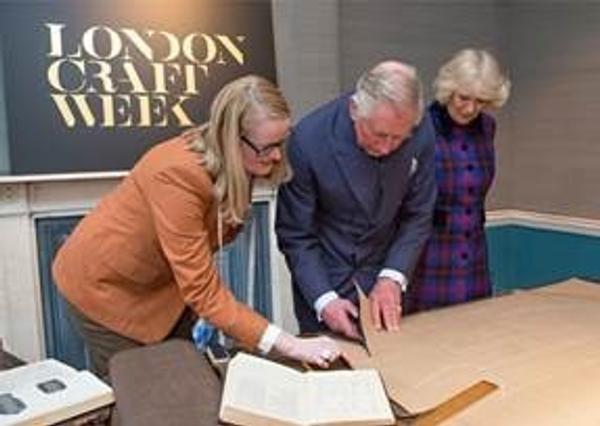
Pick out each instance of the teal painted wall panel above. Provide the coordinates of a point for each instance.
(523, 257)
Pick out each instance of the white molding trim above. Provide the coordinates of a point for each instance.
(547, 221)
(61, 177)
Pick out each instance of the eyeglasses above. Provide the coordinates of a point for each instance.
(262, 151)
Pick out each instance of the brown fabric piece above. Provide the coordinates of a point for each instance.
(168, 384)
(146, 251)
(540, 347)
(102, 344)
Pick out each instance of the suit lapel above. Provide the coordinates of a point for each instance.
(356, 168)
(393, 181)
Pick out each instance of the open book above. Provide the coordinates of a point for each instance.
(48, 392)
(259, 392)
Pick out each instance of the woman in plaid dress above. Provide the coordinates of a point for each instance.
(453, 267)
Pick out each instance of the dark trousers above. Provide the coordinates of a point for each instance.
(102, 343)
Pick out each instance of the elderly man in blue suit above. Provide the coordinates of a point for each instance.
(358, 209)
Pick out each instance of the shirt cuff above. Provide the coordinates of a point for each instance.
(396, 276)
(268, 338)
(323, 301)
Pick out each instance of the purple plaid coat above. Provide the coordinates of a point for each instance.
(453, 266)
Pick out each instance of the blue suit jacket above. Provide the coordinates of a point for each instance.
(336, 224)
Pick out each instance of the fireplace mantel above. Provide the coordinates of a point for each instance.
(22, 199)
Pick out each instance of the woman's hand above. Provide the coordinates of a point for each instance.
(321, 351)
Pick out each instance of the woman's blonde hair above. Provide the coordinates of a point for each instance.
(475, 72)
(218, 141)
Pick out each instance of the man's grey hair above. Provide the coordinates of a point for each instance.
(393, 82)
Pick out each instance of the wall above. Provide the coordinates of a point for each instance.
(4, 152)
(555, 126)
(307, 51)
(526, 256)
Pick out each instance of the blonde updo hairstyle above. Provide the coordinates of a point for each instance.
(473, 72)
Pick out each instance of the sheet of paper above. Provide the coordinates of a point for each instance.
(542, 347)
(261, 386)
(347, 394)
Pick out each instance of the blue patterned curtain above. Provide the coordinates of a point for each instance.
(62, 340)
(246, 262)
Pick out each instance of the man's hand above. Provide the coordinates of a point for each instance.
(386, 304)
(340, 315)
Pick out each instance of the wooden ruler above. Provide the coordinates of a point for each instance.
(454, 405)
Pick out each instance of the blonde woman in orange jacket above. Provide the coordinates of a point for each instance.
(139, 268)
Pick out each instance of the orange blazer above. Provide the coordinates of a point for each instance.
(146, 251)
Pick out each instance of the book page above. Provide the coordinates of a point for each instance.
(345, 396)
(257, 386)
(49, 391)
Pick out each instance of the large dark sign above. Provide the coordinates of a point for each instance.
(90, 84)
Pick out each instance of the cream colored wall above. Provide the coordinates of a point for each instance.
(20, 329)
